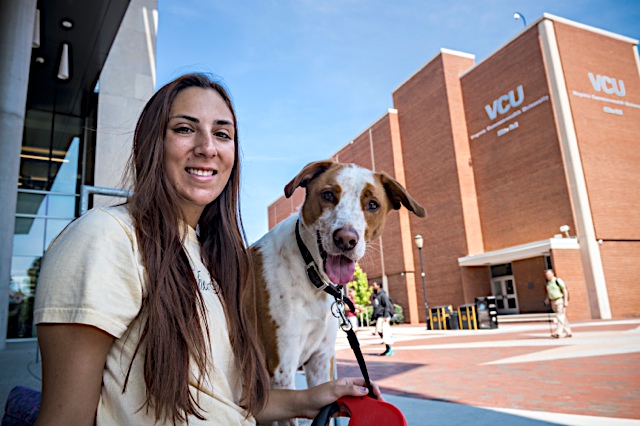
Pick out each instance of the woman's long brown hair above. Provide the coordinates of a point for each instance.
(175, 331)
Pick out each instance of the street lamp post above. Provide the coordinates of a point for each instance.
(418, 240)
(519, 15)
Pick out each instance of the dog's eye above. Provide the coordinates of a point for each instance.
(373, 206)
(328, 196)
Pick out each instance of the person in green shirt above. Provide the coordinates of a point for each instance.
(558, 295)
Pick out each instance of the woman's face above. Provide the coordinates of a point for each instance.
(199, 149)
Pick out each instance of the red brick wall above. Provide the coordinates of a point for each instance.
(568, 266)
(520, 178)
(476, 281)
(411, 315)
(283, 207)
(431, 172)
(381, 137)
(608, 143)
(621, 262)
(530, 284)
(464, 165)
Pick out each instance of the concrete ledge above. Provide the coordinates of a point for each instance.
(502, 319)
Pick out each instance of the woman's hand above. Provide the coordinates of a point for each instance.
(286, 404)
(312, 400)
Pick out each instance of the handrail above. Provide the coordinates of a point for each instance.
(87, 190)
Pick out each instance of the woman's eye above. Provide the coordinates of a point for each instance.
(373, 206)
(223, 135)
(182, 129)
(328, 196)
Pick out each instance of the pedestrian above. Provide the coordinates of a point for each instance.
(139, 310)
(382, 316)
(558, 296)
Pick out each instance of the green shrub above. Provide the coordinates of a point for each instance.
(360, 284)
(398, 318)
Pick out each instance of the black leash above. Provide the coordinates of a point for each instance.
(336, 292)
(355, 346)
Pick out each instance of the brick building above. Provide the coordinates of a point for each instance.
(543, 134)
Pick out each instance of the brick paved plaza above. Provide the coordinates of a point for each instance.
(517, 366)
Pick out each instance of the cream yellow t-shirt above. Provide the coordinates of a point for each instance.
(92, 274)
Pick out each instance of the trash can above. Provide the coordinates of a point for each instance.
(467, 317)
(452, 321)
(438, 316)
(487, 314)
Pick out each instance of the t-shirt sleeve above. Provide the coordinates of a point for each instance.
(91, 275)
(561, 284)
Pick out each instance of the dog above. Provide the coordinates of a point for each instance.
(344, 208)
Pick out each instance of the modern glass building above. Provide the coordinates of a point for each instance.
(71, 69)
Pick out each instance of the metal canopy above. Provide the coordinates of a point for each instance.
(524, 251)
(95, 24)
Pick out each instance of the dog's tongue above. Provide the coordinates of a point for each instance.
(340, 269)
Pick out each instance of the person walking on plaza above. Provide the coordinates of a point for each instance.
(558, 294)
(382, 316)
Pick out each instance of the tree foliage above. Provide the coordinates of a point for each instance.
(360, 284)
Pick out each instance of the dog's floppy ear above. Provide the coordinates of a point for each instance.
(399, 196)
(308, 173)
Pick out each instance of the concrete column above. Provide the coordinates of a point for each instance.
(589, 247)
(16, 35)
(127, 82)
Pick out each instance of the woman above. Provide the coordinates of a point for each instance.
(139, 306)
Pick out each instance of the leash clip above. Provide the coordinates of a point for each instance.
(337, 310)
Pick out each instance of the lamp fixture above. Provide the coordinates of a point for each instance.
(565, 229)
(63, 69)
(519, 15)
(418, 240)
(36, 30)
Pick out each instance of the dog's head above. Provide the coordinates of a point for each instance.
(345, 207)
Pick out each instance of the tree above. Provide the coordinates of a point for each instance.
(361, 285)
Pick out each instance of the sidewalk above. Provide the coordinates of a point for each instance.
(18, 366)
(513, 375)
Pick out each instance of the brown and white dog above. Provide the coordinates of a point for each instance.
(345, 207)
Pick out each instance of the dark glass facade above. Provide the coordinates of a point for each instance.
(48, 199)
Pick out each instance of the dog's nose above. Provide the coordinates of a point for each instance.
(345, 238)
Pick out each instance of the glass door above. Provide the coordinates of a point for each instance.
(504, 290)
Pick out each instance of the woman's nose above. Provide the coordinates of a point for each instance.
(206, 145)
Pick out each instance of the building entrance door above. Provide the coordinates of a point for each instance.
(504, 290)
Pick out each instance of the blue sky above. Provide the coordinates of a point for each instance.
(309, 76)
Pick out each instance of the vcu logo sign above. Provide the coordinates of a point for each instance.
(607, 84)
(505, 102)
